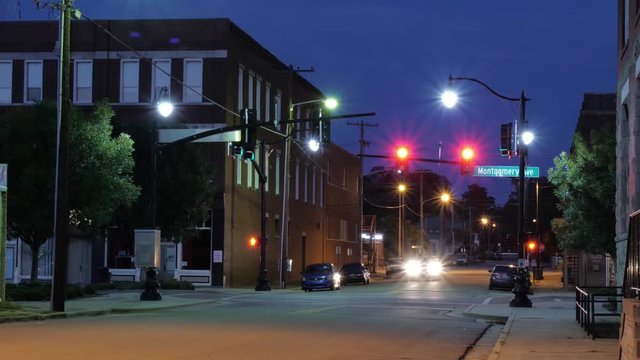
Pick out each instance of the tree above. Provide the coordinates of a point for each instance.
(585, 187)
(100, 177)
(185, 189)
(476, 202)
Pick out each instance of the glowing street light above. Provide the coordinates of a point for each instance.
(449, 99)
(527, 137)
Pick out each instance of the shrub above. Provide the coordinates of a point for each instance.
(176, 285)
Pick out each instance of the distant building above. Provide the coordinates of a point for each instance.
(222, 63)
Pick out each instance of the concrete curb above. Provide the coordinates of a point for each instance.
(497, 348)
(63, 315)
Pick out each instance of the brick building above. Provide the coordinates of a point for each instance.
(208, 60)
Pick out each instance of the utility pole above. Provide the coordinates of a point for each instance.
(61, 203)
(363, 144)
(284, 232)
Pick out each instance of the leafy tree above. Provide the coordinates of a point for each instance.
(99, 176)
(185, 188)
(585, 187)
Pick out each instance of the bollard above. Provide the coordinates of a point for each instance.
(521, 289)
(151, 286)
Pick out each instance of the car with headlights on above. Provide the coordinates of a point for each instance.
(423, 268)
(433, 268)
(354, 273)
(320, 276)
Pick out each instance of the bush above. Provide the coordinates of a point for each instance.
(39, 291)
(176, 285)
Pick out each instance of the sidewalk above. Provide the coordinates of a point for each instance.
(108, 303)
(547, 330)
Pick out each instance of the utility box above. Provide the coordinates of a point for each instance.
(147, 248)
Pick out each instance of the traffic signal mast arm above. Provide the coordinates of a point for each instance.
(226, 129)
(450, 162)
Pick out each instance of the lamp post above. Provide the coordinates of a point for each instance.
(401, 189)
(446, 198)
(165, 109)
(284, 230)
(449, 99)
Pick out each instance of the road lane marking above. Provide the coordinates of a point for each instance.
(316, 310)
(487, 301)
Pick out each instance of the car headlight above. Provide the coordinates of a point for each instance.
(434, 267)
(336, 277)
(413, 268)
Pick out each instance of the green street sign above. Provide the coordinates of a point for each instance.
(505, 171)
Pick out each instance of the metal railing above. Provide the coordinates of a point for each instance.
(590, 303)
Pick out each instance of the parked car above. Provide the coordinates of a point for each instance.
(320, 276)
(354, 273)
(395, 266)
(502, 276)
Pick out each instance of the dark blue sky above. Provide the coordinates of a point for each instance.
(394, 57)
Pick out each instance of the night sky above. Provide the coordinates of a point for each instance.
(394, 58)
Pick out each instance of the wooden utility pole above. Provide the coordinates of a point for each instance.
(363, 144)
(61, 216)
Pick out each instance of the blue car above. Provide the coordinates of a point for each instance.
(320, 276)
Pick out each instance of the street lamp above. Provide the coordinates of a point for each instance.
(329, 103)
(450, 98)
(446, 198)
(401, 189)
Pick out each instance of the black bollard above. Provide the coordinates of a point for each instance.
(151, 286)
(521, 289)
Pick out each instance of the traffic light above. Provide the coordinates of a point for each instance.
(254, 242)
(248, 134)
(402, 159)
(532, 245)
(506, 140)
(466, 160)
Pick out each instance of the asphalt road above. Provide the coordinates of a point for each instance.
(388, 319)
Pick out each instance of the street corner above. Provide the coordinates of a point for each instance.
(489, 313)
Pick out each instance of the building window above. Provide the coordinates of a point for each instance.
(267, 102)
(258, 98)
(625, 25)
(277, 173)
(321, 189)
(338, 250)
(298, 127)
(161, 77)
(297, 185)
(82, 80)
(256, 177)
(349, 251)
(313, 187)
(306, 183)
(129, 81)
(344, 230)
(240, 87)
(277, 114)
(277, 225)
(250, 90)
(33, 81)
(6, 71)
(192, 90)
(249, 174)
(238, 170)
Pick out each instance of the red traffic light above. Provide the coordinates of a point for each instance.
(254, 242)
(402, 153)
(467, 153)
(531, 245)
(402, 158)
